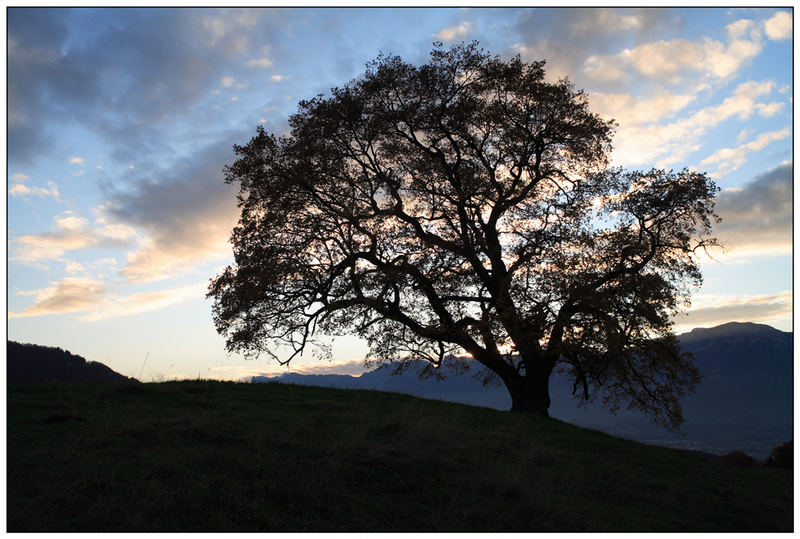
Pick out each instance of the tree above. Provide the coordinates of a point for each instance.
(466, 206)
(782, 456)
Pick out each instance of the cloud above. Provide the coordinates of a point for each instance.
(142, 302)
(628, 110)
(730, 159)
(712, 311)
(68, 65)
(71, 222)
(227, 30)
(674, 59)
(779, 26)
(665, 59)
(769, 110)
(262, 63)
(566, 37)
(76, 160)
(454, 32)
(99, 268)
(619, 48)
(670, 143)
(18, 177)
(34, 37)
(72, 233)
(743, 134)
(65, 296)
(22, 190)
(738, 29)
(185, 218)
(227, 82)
(80, 294)
(73, 267)
(117, 231)
(758, 217)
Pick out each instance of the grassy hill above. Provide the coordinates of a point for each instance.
(214, 456)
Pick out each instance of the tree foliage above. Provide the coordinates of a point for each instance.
(467, 206)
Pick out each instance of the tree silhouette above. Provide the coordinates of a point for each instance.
(467, 206)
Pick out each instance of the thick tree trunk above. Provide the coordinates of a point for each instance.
(531, 392)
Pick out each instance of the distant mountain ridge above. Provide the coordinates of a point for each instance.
(745, 401)
(32, 363)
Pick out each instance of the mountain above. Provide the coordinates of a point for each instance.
(745, 401)
(31, 363)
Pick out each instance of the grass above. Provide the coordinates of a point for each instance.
(215, 456)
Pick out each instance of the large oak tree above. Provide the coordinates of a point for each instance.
(466, 206)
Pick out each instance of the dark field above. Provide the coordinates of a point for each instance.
(214, 456)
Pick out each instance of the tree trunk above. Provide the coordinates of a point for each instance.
(531, 392)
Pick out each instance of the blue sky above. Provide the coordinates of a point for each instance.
(120, 122)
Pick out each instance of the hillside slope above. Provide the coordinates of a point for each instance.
(32, 363)
(213, 456)
(744, 402)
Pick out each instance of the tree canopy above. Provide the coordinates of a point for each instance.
(467, 206)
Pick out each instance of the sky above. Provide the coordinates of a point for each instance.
(120, 121)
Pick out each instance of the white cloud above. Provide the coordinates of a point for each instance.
(607, 20)
(142, 302)
(98, 269)
(18, 177)
(68, 295)
(22, 190)
(227, 82)
(565, 37)
(71, 222)
(73, 267)
(673, 60)
(80, 294)
(769, 110)
(72, 233)
(731, 159)
(277, 78)
(262, 63)
(779, 26)
(76, 160)
(665, 59)
(32, 248)
(628, 110)
(739, 28)
(723, 63)
(454, 32)
(604, 69)
(743, 134)
(230, 30)
(117, 231)
(666, 144)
